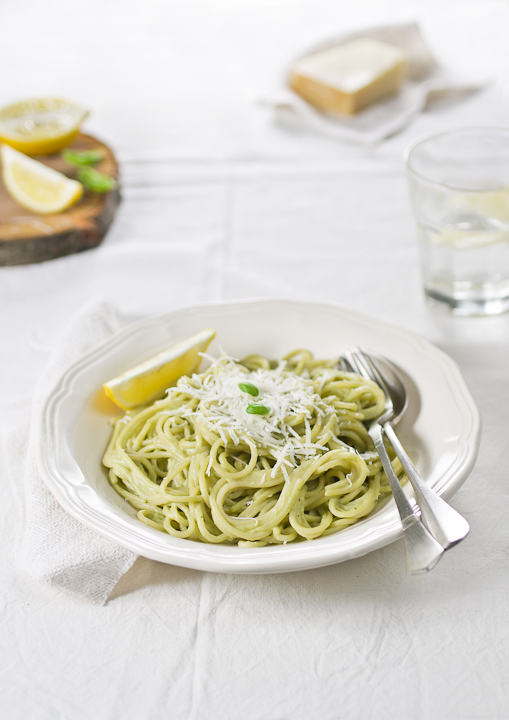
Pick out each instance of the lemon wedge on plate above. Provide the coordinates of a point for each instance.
(42, 126)
(147, 382)
(35, 186)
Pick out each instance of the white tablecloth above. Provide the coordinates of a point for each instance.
(221, 203)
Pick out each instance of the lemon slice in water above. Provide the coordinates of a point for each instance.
(35, 186)
(42, 126)
(148, 381)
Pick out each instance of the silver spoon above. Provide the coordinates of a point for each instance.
(422, 550)
(443, 522)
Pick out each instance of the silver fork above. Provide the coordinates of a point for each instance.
(423, 551)
(443, 521)
(445, 524)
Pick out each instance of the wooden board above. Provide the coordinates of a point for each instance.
(29, 238)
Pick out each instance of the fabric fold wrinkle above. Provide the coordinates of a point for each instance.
(53, 547)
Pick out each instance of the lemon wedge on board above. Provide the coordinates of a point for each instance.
(35, 186)
(41, 126)
(147, 382)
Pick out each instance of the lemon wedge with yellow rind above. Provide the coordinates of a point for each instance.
(493, 204)
(147, 382)
(41, 126)
(35, 186)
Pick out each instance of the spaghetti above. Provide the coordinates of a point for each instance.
(253, 452)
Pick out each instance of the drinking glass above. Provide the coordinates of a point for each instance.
(459, 189)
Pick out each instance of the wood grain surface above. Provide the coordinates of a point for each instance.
(26, 237)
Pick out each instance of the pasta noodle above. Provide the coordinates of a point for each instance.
(253, 452)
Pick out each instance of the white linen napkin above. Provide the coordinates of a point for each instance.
(426, 81)
(53, 547)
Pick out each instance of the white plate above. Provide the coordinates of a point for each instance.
(441, 429)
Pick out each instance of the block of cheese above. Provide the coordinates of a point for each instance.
(350, 77)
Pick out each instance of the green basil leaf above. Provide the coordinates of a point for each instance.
(95, 180)
(83, 157)
(249, 388)
(258, 409)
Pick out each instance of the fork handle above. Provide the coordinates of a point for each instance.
(422, 550)
(443, 521)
